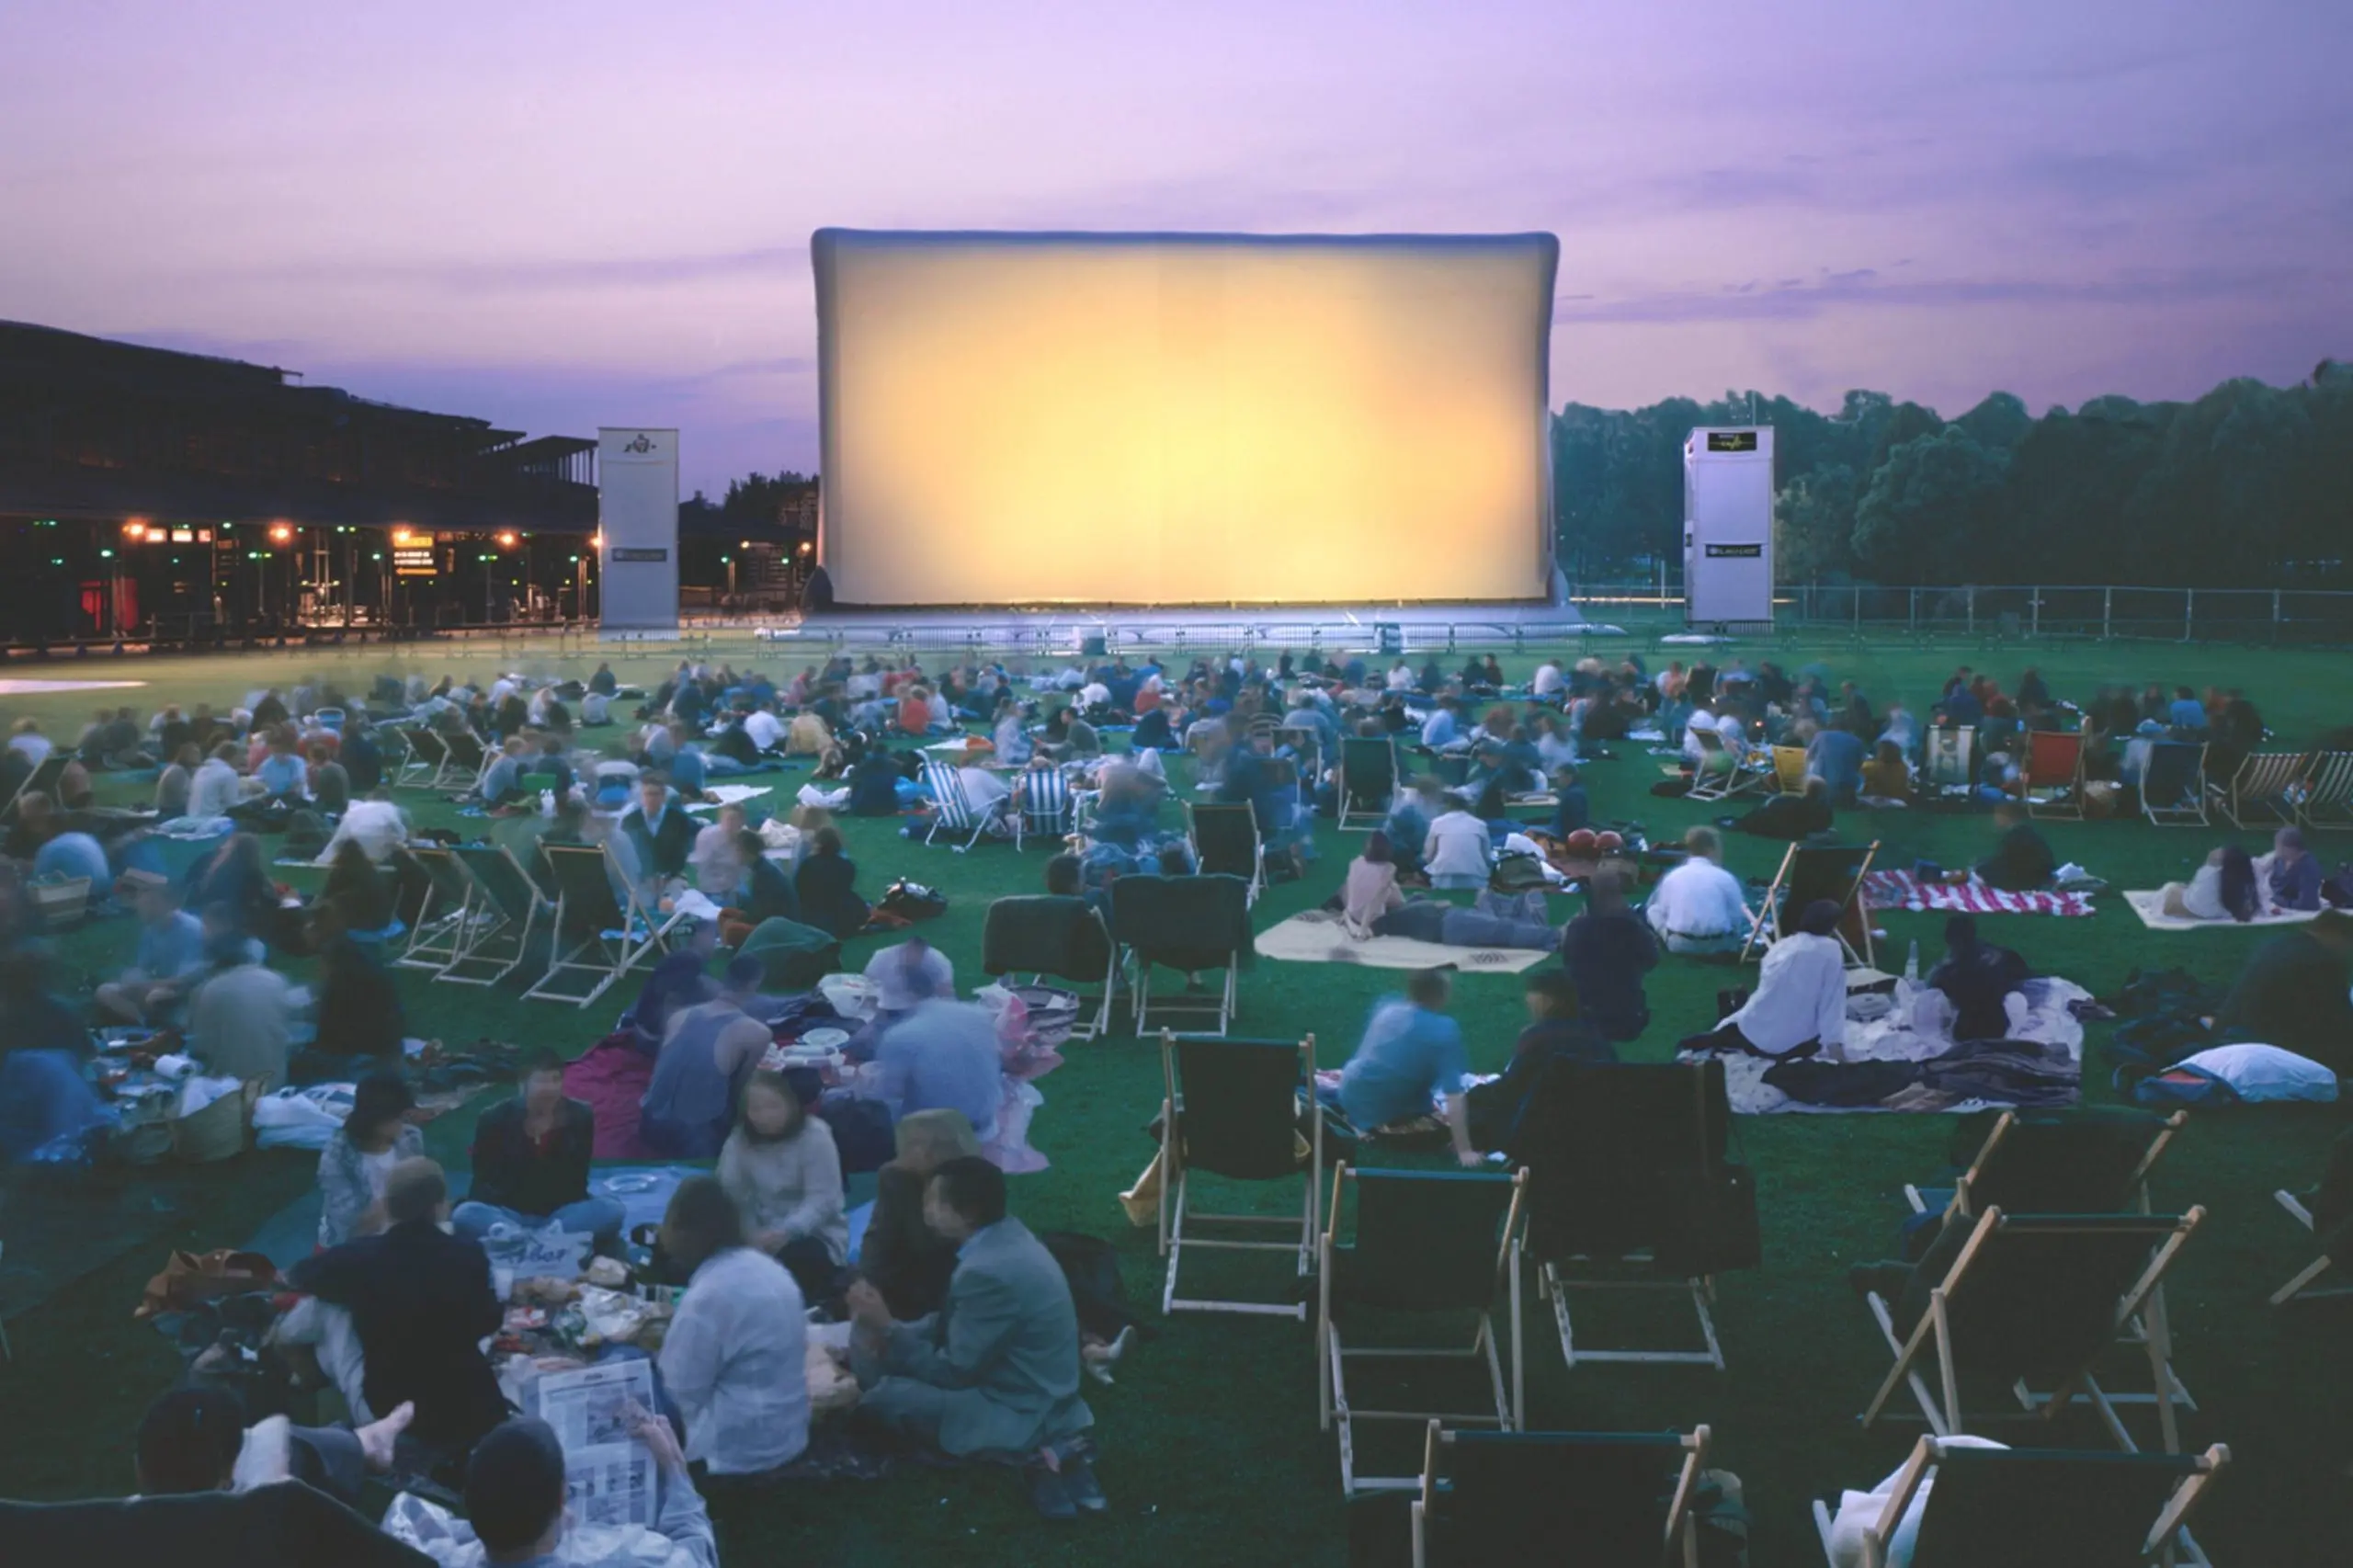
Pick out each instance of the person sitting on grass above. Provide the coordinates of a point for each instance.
(734, 1356)
(1371, 891)
(658, 829)
(502, 781)
(1887, 778)
(782, 1170)
(284, 777)
(359, 1008)
(2021, 861)
(516, 1489)
(1800, 1005)
(1409, 1060)
(422, 1303)
(996, 1370)
(1698, 907)
(240, 1018)
(678, 982)
(330, 782)
(1977, 978)
(717, 858)
(903, 1258)
(1792, 816)
(169, 956)
(826, 884)
(1555, 1032)
(2227, 887)
(360, 1154)
(174, 785)
(530, 1162)
(763, 890)
(708, 1052)
(2289, 878)
(1457, 853)
(2292, 992)
(1606, 951)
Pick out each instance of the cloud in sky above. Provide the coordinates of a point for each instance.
(562, 215)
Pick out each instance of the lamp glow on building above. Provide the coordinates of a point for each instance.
(507, 538)
(281, 533)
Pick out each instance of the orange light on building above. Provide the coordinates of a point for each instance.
(135, 530)
(596, 539)
(281, 533)
(507, 538)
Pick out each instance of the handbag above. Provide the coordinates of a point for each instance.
(1711, 1206)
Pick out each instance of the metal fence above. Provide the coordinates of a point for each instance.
(2179, 615)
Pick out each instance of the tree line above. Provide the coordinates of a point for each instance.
(2250, 486)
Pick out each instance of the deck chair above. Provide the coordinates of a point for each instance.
(464, 760)
(2173, 786)
(1949, 757)
(1045, 807)
(1226, 843)
(41, 780)
(506, 910)
(1427, 1244)
(436, 935)
(2040, 1507)
(951, 809)
(2267, 788)
(1516, 1499)
(1368, 780)
(1065, 938)
(1721, 776)
(2300, 1287)
(1230, 1109)
(1612, 1151)
(608, 936)
(1811, 873)
(2053, 779)
(2017, 1301)
(419, 760)
(1788, 771)
(1192, 924)
(2328, 791)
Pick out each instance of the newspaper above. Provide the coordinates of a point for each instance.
(608, 1474)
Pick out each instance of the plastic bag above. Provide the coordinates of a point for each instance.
(549, 1253)
(301, 1118)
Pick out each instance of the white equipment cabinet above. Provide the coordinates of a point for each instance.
(1728, 527)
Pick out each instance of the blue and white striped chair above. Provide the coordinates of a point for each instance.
(1045, 805)
(951, 809)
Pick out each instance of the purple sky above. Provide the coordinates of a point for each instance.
(563, 215)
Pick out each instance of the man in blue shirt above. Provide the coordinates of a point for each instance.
(1440, 730)
(2187, 715)
(171, 950)
(282, 774)
(1836, 756)
(1411, 1055)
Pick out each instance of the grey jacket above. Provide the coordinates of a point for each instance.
(1004, 1346)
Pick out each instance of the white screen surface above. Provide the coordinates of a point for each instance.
(1016, 419)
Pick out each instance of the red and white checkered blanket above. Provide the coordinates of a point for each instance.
(1901, 890)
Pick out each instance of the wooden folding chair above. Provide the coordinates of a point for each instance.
(507, 910)
(41, 780)
(1230, 1109)
(2027, 1300)
(1788, 771)
(2039, 1507)
(609, 933)
(436, 935)
(1609, 1150)
(1521, 1499)
(464, 760)
(2300, 1287)
(2172, 785)
(1812, 873)
(1368, 783)
(2328, 799)
(1721, 774)
(1225, 842)
(1194, 925)
(419, 758)
(2053, 778)
(1425, 1243)
(1949, 757)
(951, 808)
(1042, 934)
(2267, 787)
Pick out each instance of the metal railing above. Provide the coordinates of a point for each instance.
(2099, 610)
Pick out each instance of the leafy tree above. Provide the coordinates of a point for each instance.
(1933, 511)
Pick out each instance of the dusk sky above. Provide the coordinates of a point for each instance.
(566, 215)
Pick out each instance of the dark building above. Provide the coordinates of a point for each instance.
(150, 493)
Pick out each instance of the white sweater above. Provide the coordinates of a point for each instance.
(793, 1186)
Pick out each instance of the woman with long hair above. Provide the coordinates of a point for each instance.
(781, 1168)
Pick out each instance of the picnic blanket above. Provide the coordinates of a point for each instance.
(1901, 890)
(1318, 936)
(728, 795)
(2149, 904)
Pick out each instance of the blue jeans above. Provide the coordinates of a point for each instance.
(599, 1216)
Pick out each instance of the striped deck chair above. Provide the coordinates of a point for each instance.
(2054, 774)
(2037, 1508)
(609, 933)
(1515, 1499)
(1788, 771)
(1045, 806)
(1368, 780)
(951, 809)
(2173, 786)
(1426, 1244)
(1721, 775)
(2027, 1301)
(507, 912)
(2328, 794)
(2267, 787)
(436, 935)
(1231, 1111)
(1949, 757)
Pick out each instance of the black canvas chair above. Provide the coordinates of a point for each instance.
(505, 912)
(412, 755)
(1368, 780)
(2015, 1302)
(1619, 1159)
(1196, 925)
(1812, 873)
(1232, 1110)
(41, 780)
(437, 932)
(2305, 1285)
(1062, 937)
(608, 935)
(1226, 844)
(2173, 786)
(1519, 1499)
(1426, 1244)
(2040, 1507)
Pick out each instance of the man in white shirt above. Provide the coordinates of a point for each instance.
(1549, 680)
(1401, 677)
(28, 742)
(1456, 852)
(1800, 1002)
(764, 729)
(1698, 906)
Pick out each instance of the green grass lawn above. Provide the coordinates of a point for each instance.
(1210, 1451)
